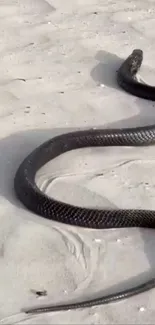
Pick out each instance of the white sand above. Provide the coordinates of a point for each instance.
(64, 46)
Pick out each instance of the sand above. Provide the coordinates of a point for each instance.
(58, 61)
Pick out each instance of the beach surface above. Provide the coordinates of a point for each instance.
(58, 63)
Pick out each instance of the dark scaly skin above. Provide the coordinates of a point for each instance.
(36, 201)
(126, 77)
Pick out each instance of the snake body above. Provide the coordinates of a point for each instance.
(36, 201)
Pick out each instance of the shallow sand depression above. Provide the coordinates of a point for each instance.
(58, 63)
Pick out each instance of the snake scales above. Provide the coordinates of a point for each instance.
(32, 197)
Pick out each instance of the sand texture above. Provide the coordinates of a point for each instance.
(58, 62)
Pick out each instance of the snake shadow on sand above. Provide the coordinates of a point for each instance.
(104, 72)
(17, 146)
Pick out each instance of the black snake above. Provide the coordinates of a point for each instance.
(32, 197)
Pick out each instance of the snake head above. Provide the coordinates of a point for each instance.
(136, 59)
